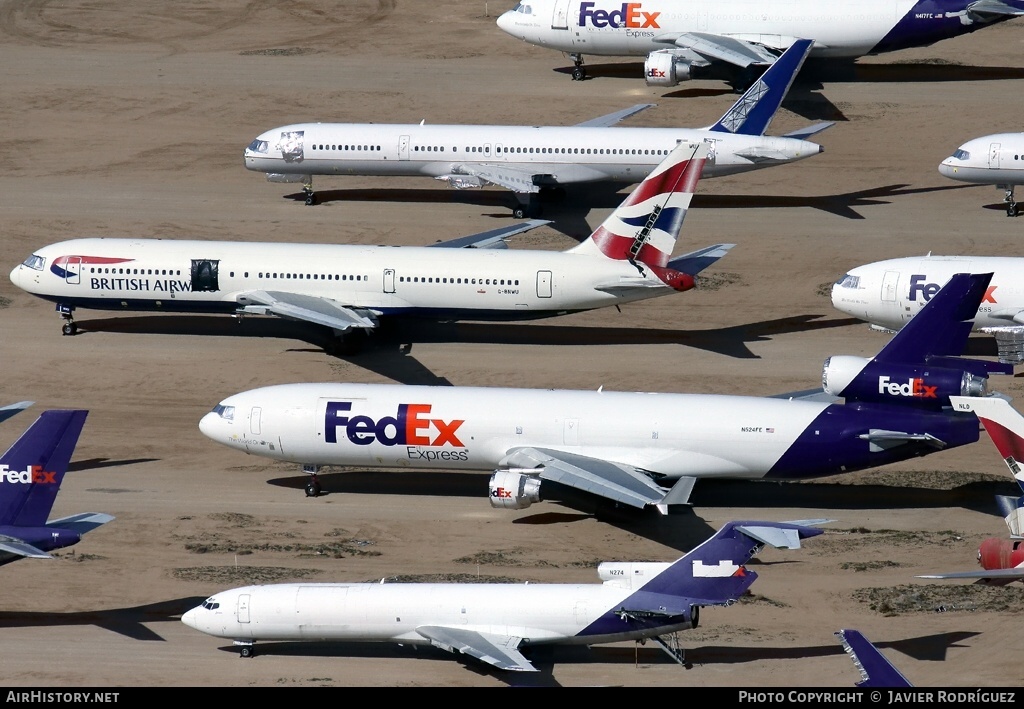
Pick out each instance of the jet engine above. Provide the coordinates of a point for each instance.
(667, 67)
(860, 379)
(514, 489)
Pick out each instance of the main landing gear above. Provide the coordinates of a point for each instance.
(69, 327)
(579, 72)
(245, 649)
(1012, 208)
(313, 486)
(307, 189)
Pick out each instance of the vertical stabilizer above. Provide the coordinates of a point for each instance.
(755, 109)
(33, 468)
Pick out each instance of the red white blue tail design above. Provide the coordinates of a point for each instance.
(644, 228)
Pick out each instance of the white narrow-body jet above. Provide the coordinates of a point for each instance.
(493, 622)
(351, 288)
(677, 36)
(532, 160)
(996, 159)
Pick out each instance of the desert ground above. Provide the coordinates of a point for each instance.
(129, 119)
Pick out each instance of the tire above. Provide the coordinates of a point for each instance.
(69, 329)
(519, 212)
(579, 74)
(312, 489)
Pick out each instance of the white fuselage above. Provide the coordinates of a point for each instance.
(476, 428)
(558, 155)
(996, 159)
(392, 612)
(889, 293)
(847, 28)
(446, 283)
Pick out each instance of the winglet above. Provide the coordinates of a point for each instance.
(875, 670)
(755, 109)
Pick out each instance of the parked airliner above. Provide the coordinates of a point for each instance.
(889, 293)
(350, 288)
(531, 160)
(493, 622)
(678, 37)
(996, 159)
(638, 450)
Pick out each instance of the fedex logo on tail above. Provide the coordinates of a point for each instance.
(31, 474)
(913, 387)
(629, 16)
(411, 425)
(918, 286)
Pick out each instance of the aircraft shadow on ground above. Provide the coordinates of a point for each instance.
(389, 352)
(124, 621)
(97, 463)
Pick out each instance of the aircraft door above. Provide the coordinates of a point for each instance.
(255, 416)
(560, 16)
(242, 609)
(403, 147)
(543, 284)
(205, 275)
(73, 270)
(993, 155)
(889, 282)
(389, 280)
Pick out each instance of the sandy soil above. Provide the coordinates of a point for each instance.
(130, 119)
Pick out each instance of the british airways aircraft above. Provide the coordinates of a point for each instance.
(31, 472)
(533, 160)
(677, 36)
(996, 159)
(638, 450)
(889, 293)
(351, 288)
(493, 622)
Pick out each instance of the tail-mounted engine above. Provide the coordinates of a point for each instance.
(927, 385)
(514, 489)
(667, 67)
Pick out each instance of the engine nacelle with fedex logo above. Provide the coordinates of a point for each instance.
(860, 379)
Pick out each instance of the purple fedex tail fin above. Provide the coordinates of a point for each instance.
(32, 469)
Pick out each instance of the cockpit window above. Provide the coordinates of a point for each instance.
(34, 262)
(962, 155)
(523, 8)
(259, 146)
(225, 412)
(849, 281)
(210, 604)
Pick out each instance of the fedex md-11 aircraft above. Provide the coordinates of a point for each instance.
(31, 473)
(495, 622)
(888, 294)
(677, 36)
(351, 288)
(1001, 558)
(638, 450)
(996, 159)
(532, 160)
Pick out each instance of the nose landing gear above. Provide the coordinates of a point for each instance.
(313, 486)
(69, 327)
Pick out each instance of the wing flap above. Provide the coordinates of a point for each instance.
(497, 650)
(521, 181)
(624, 484)
(20, 548)
(306, 308)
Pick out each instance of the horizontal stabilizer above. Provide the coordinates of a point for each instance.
(20, 548)
(696, 261)
(988, 10)
(875, 670)
(12, 409)
(778, 537)
(809, 131)
(497, 650)
(81, 523)
(613, 118)
(492, 239)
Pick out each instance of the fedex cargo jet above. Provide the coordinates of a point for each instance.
(638, 450)
(677, 36)
(351, 288)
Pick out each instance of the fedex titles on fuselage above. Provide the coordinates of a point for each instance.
(919, 286)
(426, 439)
(630, 16)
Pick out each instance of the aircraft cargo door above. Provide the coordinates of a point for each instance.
(543, 284)
(560, 17)
(889, 282)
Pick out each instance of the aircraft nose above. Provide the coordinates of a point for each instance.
(947, 169)
(191, 619)
(212, 426)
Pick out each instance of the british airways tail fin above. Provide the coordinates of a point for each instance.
(31, 471)
(875, 670)
(713, 573)
(644, 228)
(920, 366)
(755, 109)
(1005, 426)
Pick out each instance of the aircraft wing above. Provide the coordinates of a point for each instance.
(621, 483)
(726, 49)
(82, 522)
(493, 239)
(11, 409)
(613, 118)
(992, 9)
(497, 650)
(808, 395)
(875, 669)
(11, 545)
(503, 176)
(1006, 575)
(307, 308)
